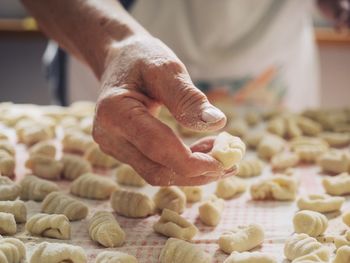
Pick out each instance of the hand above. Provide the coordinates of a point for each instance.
(141, 74)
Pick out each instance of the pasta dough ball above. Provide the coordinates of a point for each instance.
(308, 126)
(7, 164)
(126, 175)
(292, 128)
(241, 238)
(34, 133)
(171, 198)
(7, 147)
(46, 148)
(342, 255)
(44, 166)
(346, 218)
(250, 257)
(277, 126)
(34, 188)
(250, 168)
(253, 138)
(320, 255)
(97, 158)
(7, 224)
(171, 224)
(279, 187)
(335, 139)
(12, 250)
(322, 203)
(93, 186)
(16, 208)
(59, 203)
(132, 204)
(9, 190)
(210, 211)
(74, 166)
(53, 226)
(252, 118)
(334, 162)
(177, 250)
(228, 149)
(193, 193)
(310, 222)
(284, 161)
(269, 146)
(237, 127)
(229, 187)
(344, 240)
(309, 149)
(337, 185)
(115, 257)
(76, 142)
(58, 252)
(104, 229)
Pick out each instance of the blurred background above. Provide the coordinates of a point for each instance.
(23, 73)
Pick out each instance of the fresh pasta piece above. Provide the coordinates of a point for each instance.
(171, 198)
(77, 142)
(34, 188)
(279, 187)
(250, 257)
(335, 139)
(284, 161)
(310, 222)
(46, 148)
(177, 250)
(132, 204)
(7, 147)
(57, 253)
(277, 126)
(74, 166)
(54, 226)
(308, 149)
(7, 224)
(241, 238)
(342, 255)
(334, 162)
(346, 218)
(210, 211)
(12, 250)
(104, 229)
(253, 138)
(252, 118)
(337, 185)
(98, 158)
(93, 186)
(322, 203)
(250, 168)
(308, 126)
(44, 166)
(269, 146)
(229, 187)
(115, 257)
(228, 149)
(7, 164)
(237, 127)
(86, 125)
(193, 193)
(344, 240)
(16, 208)
(3, 136)
(9, 190)
(60, 203)
(34, 133)
(292, 128)
(126, 175)
(171, 224)
(321, 255)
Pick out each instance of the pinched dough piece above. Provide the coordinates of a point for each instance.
(34, 188)
(334, 162)
(210, 211)
(229, 187)
(277, 126)
(252, 118)
(284, 161)
(241, 238)
(74, 166)
(309, 149)
(343, 240)
(279, 187)
(53, 226)
(177, 250)
(228, 149)
(16, 208)
(12, 250)
(269, 146)
(342, 255)
(60, 203)
(7, 147)
(46, 148)
(97, 158)
(253, 138)
(132, 204)
(310, 222)
(7, 164)
(292, 128)
(337, 185)
(346, 218)
(44, 166)
(93, 186)
(57, 253)
(250, 168)
(9, 190)
(34, 133)
(321, 255)
(193, 193)
(171, 224)
(335, 139)
(126, 175)
(171, 198)
(308, 126)
(77, 142)
(237, 127)
(250, 257)
(322, 203)
(115, 257)
(104, 229)
(7, 224)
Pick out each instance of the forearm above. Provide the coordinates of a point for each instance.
(85, 28)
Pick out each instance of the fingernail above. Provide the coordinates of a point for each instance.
(212, 115)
